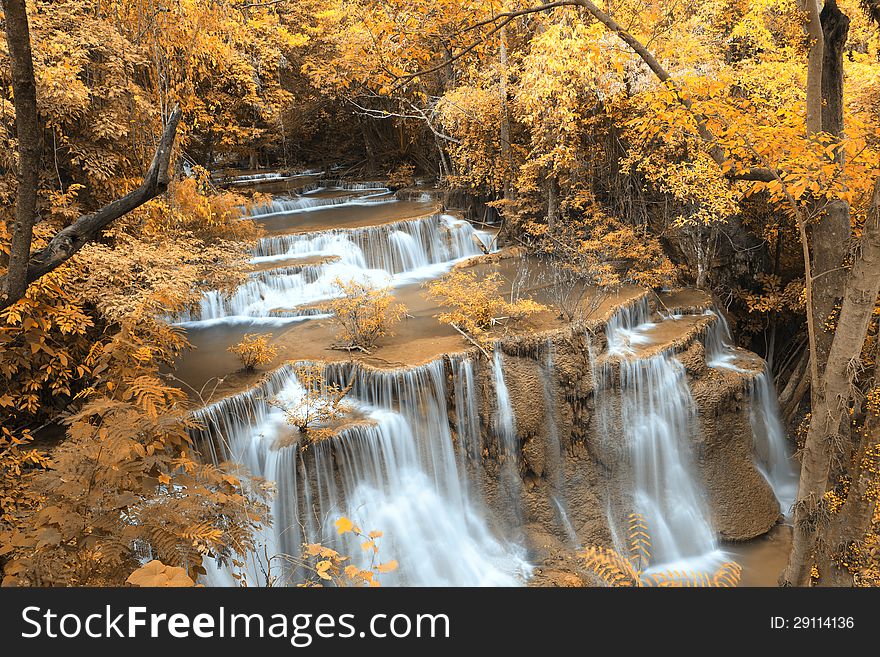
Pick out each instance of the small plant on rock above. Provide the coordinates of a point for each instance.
(254, 350)
(476, 303)
(364, 314)
(321, 405)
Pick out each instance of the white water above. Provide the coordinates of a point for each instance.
(772, 453)
(266, 177)
(398, 474)
(467, 424)
(504, 429)
(626, 328)
(555, 458)
(386, 255)
(307, 203)
(656, 414)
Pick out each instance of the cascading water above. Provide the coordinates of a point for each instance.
(772, 453)
(504, 426)
(555, 461)
(774, 459)
(396, 471)
(265, 177)
(396, 466)
(307, 203)
(389, 254)
(651, 408)
(467, 422)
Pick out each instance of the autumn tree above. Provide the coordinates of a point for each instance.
(364, 313)
(476, 304)
(96, 259)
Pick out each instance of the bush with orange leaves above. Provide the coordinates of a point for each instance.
(476, 303)
(254, 350)
(364, 314)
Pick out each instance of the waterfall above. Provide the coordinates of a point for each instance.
(555, 461)
(347, 185)
(307, 203)
(772, 452)
(655, 416)
(626, 327)
(271, 176)
(504, 426)
(719, 343)
(396, 472)
(467, 422)
(773, 456)
(658, 414)
(389, 254)
(438, 238)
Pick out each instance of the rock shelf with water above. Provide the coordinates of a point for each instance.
(492, 473)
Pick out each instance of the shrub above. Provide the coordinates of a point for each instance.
(321, 405)
(476, 302)
(254, 350)
(364, 314)
(402, 176)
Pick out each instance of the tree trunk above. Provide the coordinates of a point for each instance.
(504, 135)
(814, 64)
(552, 208)
(831, 400)
(831, 234)
(794, 378)
(27, 128)
(853, 520)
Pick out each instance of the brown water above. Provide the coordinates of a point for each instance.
(344, 216)
(763, 558)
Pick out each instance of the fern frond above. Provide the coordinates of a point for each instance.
(639, 541)
(666, 579)
(727, 575)
(610, 567)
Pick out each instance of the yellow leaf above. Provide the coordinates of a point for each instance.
(344, 525)
(387, 567)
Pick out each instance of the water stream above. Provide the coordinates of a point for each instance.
(771, 447)
(648, 400)
(397, 471)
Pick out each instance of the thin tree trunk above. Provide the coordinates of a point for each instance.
(504, 135)
(27, 127)
(814, 65)
(552, 204)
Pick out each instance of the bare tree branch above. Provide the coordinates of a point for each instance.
(88, 228)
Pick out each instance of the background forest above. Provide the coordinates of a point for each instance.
(729, 145)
